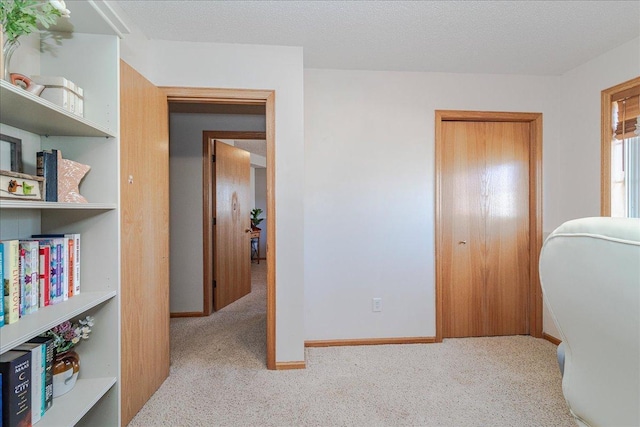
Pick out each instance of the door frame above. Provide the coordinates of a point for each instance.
(208, 197)
(535, 206)
(248, 97)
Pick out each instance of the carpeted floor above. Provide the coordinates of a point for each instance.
(218, 377)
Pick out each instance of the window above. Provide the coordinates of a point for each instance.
(620, 177)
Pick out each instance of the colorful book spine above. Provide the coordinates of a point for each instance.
(37, 378)
(45, 275)
(15, 367)
(31, 273)
(58, 249)
(1, 292)
(70, 270)
(21, 280)
(11, 281)
(49, 354)
(76, 265)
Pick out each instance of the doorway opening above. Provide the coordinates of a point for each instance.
(258, 99)
(453, 238)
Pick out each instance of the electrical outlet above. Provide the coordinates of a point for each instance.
(377, 304)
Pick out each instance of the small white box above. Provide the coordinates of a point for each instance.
(62, 92)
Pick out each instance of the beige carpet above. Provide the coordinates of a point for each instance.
(218, 378)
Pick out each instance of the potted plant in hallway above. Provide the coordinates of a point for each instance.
(255, 219)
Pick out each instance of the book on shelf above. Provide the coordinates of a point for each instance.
(15, 367)
(11, 283)
(1, 290)
(44, 275)
(30, 257)
(57, 246)
(47, 167)
(72, 258)
(38, 362)
(49, 355)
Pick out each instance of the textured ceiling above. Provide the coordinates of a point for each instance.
(510, 37)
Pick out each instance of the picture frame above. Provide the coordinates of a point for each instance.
(21, 186)
(11, 153)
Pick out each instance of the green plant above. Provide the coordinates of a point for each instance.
(255, 217)
(21, 17)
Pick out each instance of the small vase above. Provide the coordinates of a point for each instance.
(7, 52)
(66, 367)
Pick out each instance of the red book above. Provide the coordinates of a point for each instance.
(45, 275)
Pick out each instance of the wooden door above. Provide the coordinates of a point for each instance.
(232, 225)
(485, 228)
(144, 204)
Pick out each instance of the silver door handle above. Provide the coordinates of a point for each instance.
(462, 242)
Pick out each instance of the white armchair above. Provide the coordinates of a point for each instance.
(590, 276)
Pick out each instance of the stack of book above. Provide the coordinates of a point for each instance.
(26, 382)
(38, 272)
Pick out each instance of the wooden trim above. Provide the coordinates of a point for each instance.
(439, 243)
(255, 97)
(535, 225)
(231, 134)
(187, 314)
(207, 229)
(370, 341)
(215, 95)
(283, 366)
(606, 132)
(551, 338)
(271, 226)
(535, 206)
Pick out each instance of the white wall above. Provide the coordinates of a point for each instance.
(238, 66)
(369, 181)
(369, 190)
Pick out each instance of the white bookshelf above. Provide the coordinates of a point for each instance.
(48, 317)
(89, 56)
(20, 204)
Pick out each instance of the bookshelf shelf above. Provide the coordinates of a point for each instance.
(13, 204)
(29, 112)
(69, 408)
(47, 317)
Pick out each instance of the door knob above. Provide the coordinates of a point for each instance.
(462, 242)
(248, 230)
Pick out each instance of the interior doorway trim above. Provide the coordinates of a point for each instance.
(249, 97)
(535, 206)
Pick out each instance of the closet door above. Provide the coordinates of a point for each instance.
(485, 228)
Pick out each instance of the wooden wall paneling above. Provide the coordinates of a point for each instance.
(144, 202)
